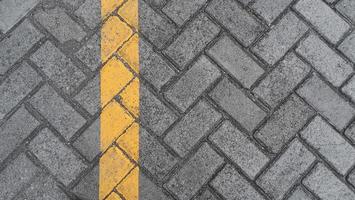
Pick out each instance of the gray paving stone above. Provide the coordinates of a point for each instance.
(149, 191)
(284, 123)
(278, 179)
(348, 46)
(60, 114)
(196, 172)
(15, 130)
(325, 60)
(181, 10)
(300, 194)
(17, 86)
(15, 176)
(350, 132)
(192, 40)
(43, 188)
(347, 7)
(89, 96)
(88, 143)
(326, 185)
(193, 83)
(245, 2)
(232, 185)
(231, 57)
(326, 21)
(73, 4)
(88, 187)
(17, 44)
(91, 13)
(156, 3)
(154, 26)
(330, 144)
(155, 115)
(192, 127)
(349, 88)
(237, 104)
(282, 80)
(56, 156)
(60, 25)
(153, 156)
(11, 12)
(270, 9)
(206, 195)
(241, 24)
(240, 149)
(280, 38)
(153, 67)
(58, 67)
(90, 54)
(327, 102)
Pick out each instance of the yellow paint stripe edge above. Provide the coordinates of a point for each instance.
(119, 132)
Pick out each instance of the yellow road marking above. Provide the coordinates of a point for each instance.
(119, 134)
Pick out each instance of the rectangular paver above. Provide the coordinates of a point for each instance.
(270, 9)
(348, 46)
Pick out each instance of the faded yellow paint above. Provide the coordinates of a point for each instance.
(119, 134)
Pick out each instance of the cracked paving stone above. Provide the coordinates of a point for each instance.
(195, 173)
(326, 185)
(237, 104)
(88, 142)
(348, 46)
(330, 144)
(88, 187)
(56, 156)
(270, 9)
(192, 127)
(90, 53)
(193, 83)
(278, 179)
(240, 149)
(232, 185)
(192, 40)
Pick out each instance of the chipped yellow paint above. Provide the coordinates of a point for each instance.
(119, 134)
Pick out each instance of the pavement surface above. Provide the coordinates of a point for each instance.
(239, 99)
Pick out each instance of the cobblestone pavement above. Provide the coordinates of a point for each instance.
(239, 99)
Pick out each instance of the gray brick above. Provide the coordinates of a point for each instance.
(282, 80)
(193, 83)
(61, 115)
(88, 143)
(17, 44)
(231, 57)
(91, 13)
(12, 11)
(327, 102)
(300, 194)
(58, 67)
(181, 10)
(278, 179)
(149, 191)
(284, 123)
(206, 195)
(245, 2)
(242, 25)
(17, 86)
(156, 3)
(153, 156)
(60, 25)
(326, 185)
(90, 53)
(88, 187)
(326, 21)
(192, 40)
(89, 96)
(280, 38)
(347, 7)
(325, 60)
(15, 130)
(237, 104)
(154, 26)
(192, 127)
(153, 113)
(232, 185)
(348, 46)
(73, 4)
(196, 172)
(56, 156)
(270, 9)
(43, 188)
(349, 88)
(240, 149)
(15, 176)
(153, 67)
(329, 144)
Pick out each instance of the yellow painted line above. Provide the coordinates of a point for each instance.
(119, 133)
